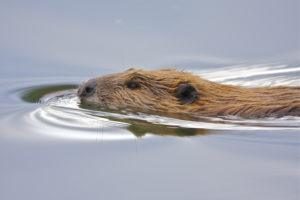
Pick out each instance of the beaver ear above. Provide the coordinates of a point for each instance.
(186, 93)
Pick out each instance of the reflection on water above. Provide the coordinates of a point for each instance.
(140, 128)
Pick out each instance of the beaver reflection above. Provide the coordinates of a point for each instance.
(140, 128)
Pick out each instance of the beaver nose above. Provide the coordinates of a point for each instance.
(88, 88)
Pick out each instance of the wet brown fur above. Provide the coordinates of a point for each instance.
(157, 94)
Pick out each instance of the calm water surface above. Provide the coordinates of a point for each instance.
(53, 148)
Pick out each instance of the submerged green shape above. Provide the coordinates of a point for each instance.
(140, 128)
(33, 95)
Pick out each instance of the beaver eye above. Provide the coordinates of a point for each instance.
(133, 85)
(186, 93)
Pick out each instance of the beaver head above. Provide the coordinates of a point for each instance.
(182, 93)
(134, 89)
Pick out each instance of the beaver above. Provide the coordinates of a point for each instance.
(179, 93)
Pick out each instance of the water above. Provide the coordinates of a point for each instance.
(47, 139)
(52, 148)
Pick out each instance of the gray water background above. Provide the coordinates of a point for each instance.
(70, 41)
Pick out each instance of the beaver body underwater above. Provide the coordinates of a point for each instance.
(177, 93)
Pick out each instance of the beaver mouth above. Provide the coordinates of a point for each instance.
(87, 103)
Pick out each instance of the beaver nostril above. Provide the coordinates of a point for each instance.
(88, 88)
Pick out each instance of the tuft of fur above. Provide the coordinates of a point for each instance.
(156, 93)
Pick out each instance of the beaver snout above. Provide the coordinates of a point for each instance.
(87, 89)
